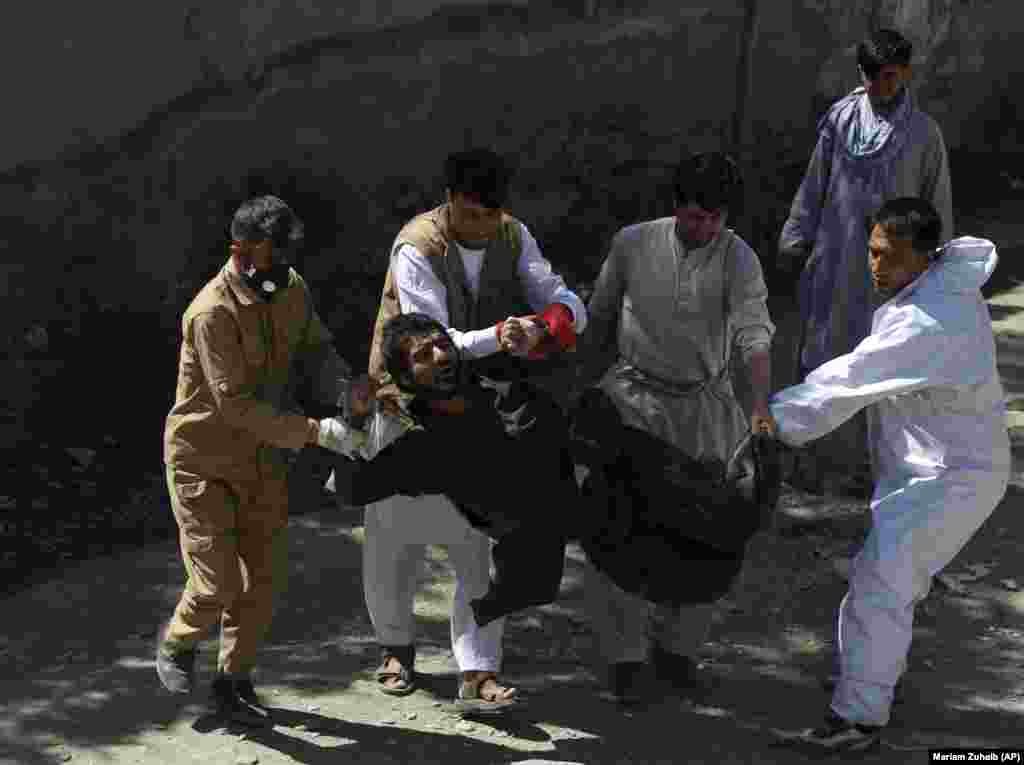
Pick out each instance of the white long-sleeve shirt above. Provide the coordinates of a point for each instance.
(419, 290)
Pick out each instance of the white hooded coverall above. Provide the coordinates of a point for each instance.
(937, 428)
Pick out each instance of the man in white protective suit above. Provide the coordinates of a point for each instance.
(937, 425)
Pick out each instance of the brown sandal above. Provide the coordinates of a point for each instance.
(485, 697)
(395, 675)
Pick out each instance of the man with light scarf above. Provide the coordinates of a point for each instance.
(873, 145)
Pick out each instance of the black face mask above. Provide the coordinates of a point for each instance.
(266, 282)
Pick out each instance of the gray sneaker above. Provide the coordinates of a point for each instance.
(174, 666)
(836, 735)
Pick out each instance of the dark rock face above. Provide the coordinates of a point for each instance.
(347, 112)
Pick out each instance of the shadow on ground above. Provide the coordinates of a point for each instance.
(79, 680)
(79, 668)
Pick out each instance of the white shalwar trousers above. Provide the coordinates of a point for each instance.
(917, 529)
(397, 532)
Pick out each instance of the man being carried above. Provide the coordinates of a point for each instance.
(501, 457)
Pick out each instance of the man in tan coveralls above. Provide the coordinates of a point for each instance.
(242, 336)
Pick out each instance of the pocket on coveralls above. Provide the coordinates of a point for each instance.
(201, 509)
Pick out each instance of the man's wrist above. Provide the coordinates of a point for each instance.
(559, 327)
(313, 431)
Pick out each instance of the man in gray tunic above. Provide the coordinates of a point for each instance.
(873, 145)
(676, 296)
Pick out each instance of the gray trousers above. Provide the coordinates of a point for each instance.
(625, 625)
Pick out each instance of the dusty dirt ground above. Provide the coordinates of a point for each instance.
(79, 685)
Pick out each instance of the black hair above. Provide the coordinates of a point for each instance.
(481, 174)
(263, 218)
(885, 47)
(914, 219)
(397, 329)
(710, 179)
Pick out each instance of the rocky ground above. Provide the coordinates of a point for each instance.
(79, 685)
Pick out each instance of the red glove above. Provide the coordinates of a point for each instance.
(561, 333)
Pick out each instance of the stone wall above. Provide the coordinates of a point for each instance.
(88, 71)
(140, 138)
(352, 126)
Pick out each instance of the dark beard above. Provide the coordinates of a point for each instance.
(445, 386)
(888, 107)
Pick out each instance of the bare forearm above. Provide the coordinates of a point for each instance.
(759, 377)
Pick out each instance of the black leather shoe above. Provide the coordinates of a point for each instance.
(237, 701)
(244, 688)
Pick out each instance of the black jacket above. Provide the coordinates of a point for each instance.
(656, 522)
(506, 466)
(662, 524)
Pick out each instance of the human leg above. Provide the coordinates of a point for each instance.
(679, 634)
(475, 648)
(206, 513)
(263, 554)
(621, 623)
(390, 568)
(915, 533)
(478, 650)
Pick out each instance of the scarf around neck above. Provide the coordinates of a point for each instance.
(868, 130)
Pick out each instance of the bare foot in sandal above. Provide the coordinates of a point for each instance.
(395, 678)
(481, 693)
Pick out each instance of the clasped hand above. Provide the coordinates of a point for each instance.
(764, 424)
(521, 335)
